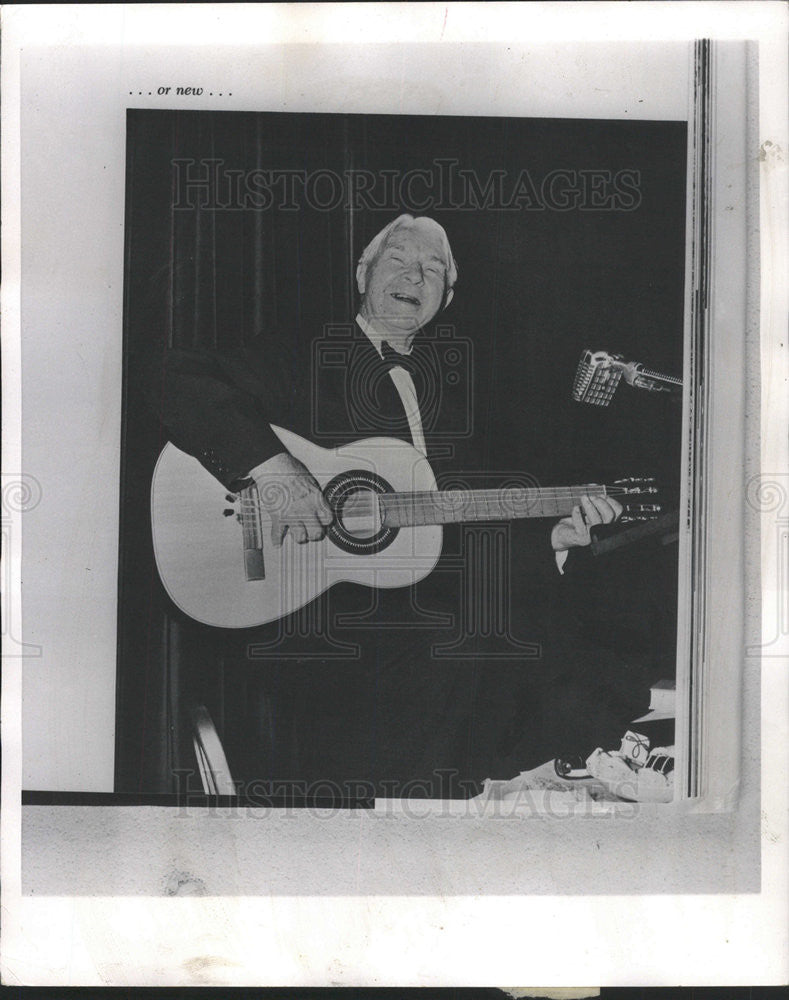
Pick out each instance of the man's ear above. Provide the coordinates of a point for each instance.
(361, 275)
(450, 296)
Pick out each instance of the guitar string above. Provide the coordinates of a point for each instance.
(433, 496)
(362, 509)
(450, 500)
(460, 502)
(559, 492)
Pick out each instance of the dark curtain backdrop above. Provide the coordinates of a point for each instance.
(535, 289)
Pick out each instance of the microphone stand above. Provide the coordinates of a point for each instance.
(641, 377)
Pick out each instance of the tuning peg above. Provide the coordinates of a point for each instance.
(230, 497)
(228, 512)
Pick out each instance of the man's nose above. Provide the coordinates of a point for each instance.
(414, 272)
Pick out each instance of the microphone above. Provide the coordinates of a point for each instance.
(599, 373)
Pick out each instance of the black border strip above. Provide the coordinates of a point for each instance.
(194, 799)
(701, 269)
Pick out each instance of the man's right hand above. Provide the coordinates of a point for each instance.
(293, 500)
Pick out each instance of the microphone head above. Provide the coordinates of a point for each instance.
(596, 378)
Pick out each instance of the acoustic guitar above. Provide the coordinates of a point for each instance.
(219, 565)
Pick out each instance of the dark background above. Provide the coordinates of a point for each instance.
(535, 288)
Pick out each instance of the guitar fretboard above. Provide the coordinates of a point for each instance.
(404, 510)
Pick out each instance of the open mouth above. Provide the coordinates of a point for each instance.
(410, 300)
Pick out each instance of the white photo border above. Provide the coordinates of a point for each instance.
(375, 940)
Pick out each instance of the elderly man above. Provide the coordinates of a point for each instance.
(388, 712)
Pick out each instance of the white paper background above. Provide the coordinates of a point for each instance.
(72, 133)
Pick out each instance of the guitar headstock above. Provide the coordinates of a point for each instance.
(641, 498)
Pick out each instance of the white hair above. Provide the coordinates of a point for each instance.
(378, 242)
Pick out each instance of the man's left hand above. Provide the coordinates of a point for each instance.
(573, 531)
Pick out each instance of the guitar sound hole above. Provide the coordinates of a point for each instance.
(357, 525)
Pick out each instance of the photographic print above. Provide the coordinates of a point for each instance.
(401, 455)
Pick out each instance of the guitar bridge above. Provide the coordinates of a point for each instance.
(254, 566)
(252, 531)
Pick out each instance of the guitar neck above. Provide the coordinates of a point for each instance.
(405, 510)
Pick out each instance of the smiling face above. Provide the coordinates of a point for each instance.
(404, 285)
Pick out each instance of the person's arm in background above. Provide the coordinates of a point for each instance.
(219, 408)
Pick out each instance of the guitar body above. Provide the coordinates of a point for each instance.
(200, 548)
